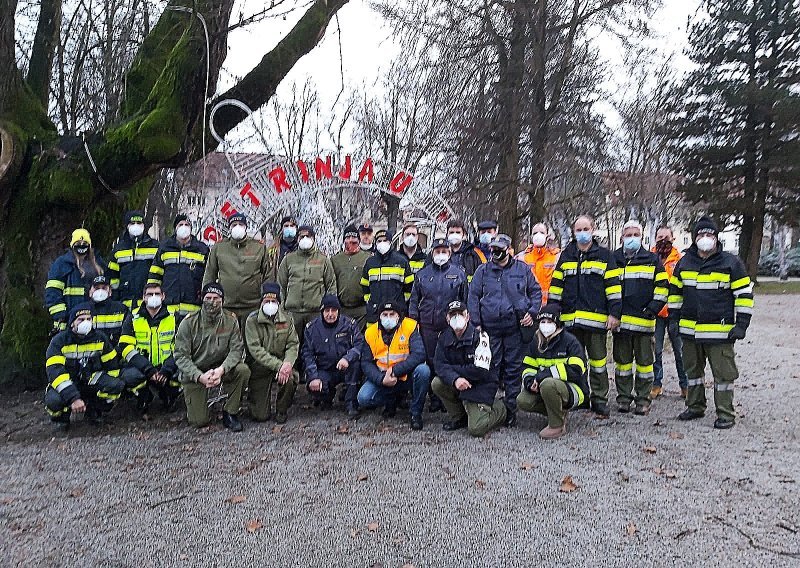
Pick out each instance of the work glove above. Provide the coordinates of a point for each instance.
(737, 333)
(647, 314)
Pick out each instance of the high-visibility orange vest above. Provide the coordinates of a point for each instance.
(542, 261)
(388, 357)
(669, 265)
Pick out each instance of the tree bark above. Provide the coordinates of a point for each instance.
(45, 41)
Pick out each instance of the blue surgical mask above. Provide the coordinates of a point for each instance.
(388, 323)
(583, 237)
(632, 243)
(485, 238)
(289, 232)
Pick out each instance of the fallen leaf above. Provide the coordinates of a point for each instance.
(568, 486)
(670, 474)
(342, 429)
(253, 525)
(277, 429)
(184, 557)
(373, 526)
(675, 436)
(649, 449)
(363, 477)
(355, 532)
(527, 466)
(6, 500)
(77, 492)
(369, 443)
(631, 529)
(407, 566)
(188, 448)
(236, 499)
(480, 483)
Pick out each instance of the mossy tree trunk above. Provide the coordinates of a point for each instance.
(48, 186)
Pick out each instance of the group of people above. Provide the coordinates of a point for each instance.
(392, 326)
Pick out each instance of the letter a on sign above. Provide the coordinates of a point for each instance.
(367, 171)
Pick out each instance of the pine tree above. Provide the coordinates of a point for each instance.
(736, 121)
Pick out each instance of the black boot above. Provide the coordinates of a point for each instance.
(62, 422)
(390, 410)
(723, 423)
(455, 424)
(352, 410)
(511, 418)
(601, 409)
(231, 422)
(416, 422)
(690, 414)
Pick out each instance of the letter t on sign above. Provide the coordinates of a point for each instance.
(247, 191)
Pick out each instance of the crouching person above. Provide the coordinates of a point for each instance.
(465, 380)
(393, 362)
(82, 369)
(554, 374)
(273, 345)
(331, 353)
(208, 353)
(147, 343)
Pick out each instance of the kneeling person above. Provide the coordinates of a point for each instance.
(554, 375)
(147, 343)
(82, 365)
(273, 345)
(465, 379)
(208, 353)
(331, 354)
(392, 351)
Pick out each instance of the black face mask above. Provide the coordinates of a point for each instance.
(499, 255)
(81, 249)
(663, 247)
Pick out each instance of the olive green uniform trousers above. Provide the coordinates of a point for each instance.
(196, 395)
(627, 348)
(722, 358)
(550, 400)
(480, 417)
(596, 351)
(261, 381)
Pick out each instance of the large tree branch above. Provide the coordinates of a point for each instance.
(259, 85)
(10, 81)
(45, 41)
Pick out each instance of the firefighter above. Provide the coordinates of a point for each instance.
(711, 297)
(644, 293)
(147, 344)
(586, 287)
(348, 265)
(131, 258)
(70, 277)
(504, 299)
(82, 370)
(386, 278)
(464, 254)
(107, 315)
(541, 258)
(179, 267)
(393, 362)
(554, 375)
(669, 256)
(411, 248)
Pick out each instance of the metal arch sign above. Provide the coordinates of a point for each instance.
(269, 185)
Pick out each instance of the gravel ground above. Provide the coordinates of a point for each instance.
(324, 492)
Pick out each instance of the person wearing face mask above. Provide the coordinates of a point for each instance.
(365, 238)
(711, 298)
(331, 355)
(147, 344)
(387, 276)
(393, 363)
(435, 286)
(82, 370)
(178, 267)
(644, 293)
(504, 298)
(487, 230)
(554, 373)
(669, 256)
(587, 288)
(305, 276)
(464, 254)
(411, 248)
(108, 314)
(280, 248)
(541, 258)
(348, 265)
(240, 264)
(466, 380)
(70, 277)
(131, 258)
(209, 352)
(272, 344)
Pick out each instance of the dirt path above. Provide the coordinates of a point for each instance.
(322, 492)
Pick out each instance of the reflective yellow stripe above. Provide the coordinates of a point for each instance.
(56, 360)
(577, 362)
(57, 284)
(744, 302)
(54, 309)
(613, 273)
(741, 283)
(110, 356)
(194, 256)
(113, 266)
(60, 379)
(641, 369)
(156, 270)
(611, 290)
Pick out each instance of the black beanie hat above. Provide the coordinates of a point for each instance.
(132, 216)
(214, 288)
(79, 310)
(705, 225)
(306, 229)
(271, 289)
(350, 231)
(178, 218)
(289, 219)
(330, 301)
(550, 311)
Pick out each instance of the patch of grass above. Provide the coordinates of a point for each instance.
(777, 288)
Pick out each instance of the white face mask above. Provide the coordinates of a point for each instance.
(441, 259)
(305, 243)
(410, 241)
(538, 239)
(84, 327)
(455, 239)
(706, 244)
(547, 328)
(383, 247)
(458, 322)
(270, 308)
(183, 232)
(100, 295)
(136, 230)
(485, 238)
(238, 232)
(365, 246)
(153, 302)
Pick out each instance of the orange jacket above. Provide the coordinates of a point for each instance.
(542, 261)
(669, 265)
